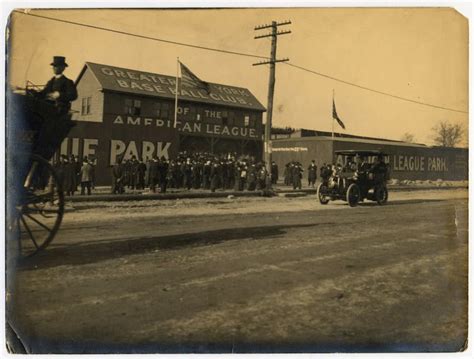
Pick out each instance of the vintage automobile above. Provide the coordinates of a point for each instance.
(356, 179)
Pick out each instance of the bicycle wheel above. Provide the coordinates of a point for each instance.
(41, 207)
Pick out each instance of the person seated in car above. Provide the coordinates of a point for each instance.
(338, 175)
(325, 173)
(365, 165)
(362, 167)
(379, 168)
(332, 171)
(350, 167)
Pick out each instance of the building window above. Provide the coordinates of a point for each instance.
(86, 106)
(225, 118)
(137, 106)
(157, 109)
(246, 120)
(133, 107)
(253, 121)
(162, 110)
(165, 110)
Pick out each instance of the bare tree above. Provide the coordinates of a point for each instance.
(408, 137)
(447, 134)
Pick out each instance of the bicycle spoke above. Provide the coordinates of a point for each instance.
(29, 232)
(38, 222)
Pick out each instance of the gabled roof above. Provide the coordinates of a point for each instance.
(118, 79)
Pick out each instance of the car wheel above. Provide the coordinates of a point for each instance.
(322, 189)
(381, 194)
(353, 195)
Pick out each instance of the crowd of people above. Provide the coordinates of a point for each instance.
(198, 170)
(293, 174)
(192, 171)
(72, 172)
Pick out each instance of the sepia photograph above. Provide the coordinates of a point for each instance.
(236, 180)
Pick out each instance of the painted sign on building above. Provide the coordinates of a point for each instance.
(403, 162)
(146, 83)
(189, 127)
(415, 162)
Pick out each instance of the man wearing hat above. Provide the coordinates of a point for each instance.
(60, 89)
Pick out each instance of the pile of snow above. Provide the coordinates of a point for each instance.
(428, 183)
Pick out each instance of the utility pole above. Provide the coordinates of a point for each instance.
(271, 90)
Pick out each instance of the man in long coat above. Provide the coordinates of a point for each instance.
(312, 173)
(163, 174)
(153, 173)
(297, 175)
(70, 178)
(117, 177)
(86, 177)
(216, 173)
(274, 170)
(60, 90)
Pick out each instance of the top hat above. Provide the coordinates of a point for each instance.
(59, 61)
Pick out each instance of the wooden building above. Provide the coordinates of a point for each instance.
(124, 112)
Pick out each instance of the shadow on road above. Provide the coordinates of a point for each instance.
(96, 251)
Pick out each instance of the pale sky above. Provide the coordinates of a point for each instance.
(417, 53)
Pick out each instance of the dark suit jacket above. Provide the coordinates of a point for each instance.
(67, 91)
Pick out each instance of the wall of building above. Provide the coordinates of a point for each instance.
(119, 135)
(303, 150)
(418, 162)
(407, 162)
(88, 87)
(193, 118)
(150, 132)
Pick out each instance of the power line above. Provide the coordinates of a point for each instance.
(140, 36)
(240, 54)
(376, 91)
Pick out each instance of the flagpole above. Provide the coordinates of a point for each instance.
(332, 116)
(176, 95)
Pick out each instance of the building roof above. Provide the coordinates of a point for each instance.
(308, 133)
(118, 79)
(304, 133)
(345, 139)
(360, 152)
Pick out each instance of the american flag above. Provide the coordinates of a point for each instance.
(336, 117)
(189, 79)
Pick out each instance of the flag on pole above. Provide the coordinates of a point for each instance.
(175, 122)
(189, 79)
(335, 116)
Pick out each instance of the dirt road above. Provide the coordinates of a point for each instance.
(250, 275)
